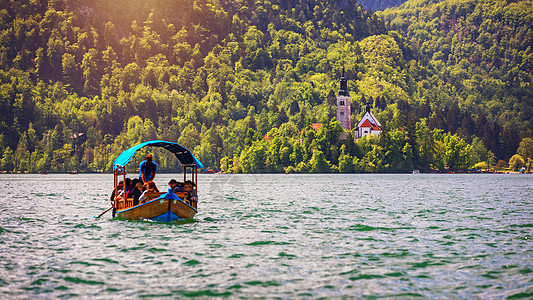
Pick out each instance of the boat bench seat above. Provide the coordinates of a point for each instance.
(152, 195)
(182, 195)
(121, 204)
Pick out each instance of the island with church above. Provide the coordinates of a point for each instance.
(368, 124)
(342, 143)
(333, 145)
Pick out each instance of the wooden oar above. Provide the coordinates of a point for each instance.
(104, 212)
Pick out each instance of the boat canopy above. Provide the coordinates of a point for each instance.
(182, 154)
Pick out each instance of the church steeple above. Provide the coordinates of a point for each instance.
(343, 104)
(343, 91)
(368, 106)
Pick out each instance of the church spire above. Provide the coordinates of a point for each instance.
(343, 91)
(368, 106)
(343, 105)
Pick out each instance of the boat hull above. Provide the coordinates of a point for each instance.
(159, 210)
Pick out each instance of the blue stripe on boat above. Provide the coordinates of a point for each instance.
(166, 217)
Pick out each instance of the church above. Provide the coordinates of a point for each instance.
(368, 123)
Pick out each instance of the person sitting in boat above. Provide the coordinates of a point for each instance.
(137, 191)
(130, 184)
(175, 186)
(150, 188)
(118, 190)
(192, 195)
(147, 169)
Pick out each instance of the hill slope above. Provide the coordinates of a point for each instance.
(217, 76)
(376, 5)
(482, 48)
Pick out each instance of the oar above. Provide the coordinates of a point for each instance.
(104, 212)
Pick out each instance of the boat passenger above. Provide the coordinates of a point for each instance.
(150, 188)
(117, 190)
(190, 183)
(136, 192)
(132, 187)
(147, 169)
(175, 186)
(128, 187)
(192, 195)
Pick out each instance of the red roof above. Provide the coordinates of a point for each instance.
(316, 126)
(367, 123)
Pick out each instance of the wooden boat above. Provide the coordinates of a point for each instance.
(160, 207)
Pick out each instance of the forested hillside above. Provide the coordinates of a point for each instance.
(240, 82)
(478, 54)
(481, 48)
(376, 5)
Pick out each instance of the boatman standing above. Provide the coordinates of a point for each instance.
(147, 169)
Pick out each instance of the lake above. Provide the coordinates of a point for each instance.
(286, 236)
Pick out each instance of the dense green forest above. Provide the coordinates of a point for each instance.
(375, 5)
(240, 83)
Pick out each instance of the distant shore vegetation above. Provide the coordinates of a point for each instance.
(240, 83)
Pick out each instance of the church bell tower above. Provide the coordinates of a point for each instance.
(343, 104)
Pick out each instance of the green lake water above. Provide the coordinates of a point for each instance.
(273, 236)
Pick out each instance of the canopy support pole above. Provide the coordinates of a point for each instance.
(195, 178)
(116, 173)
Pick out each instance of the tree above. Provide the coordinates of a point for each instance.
(131, 76)
(225, 164)
(393, 145)
(7, 161)
(516, 162)
(500, 165)
(297, 154)
(372, 161)
(70, 72)
(479, 153)
(525, 149)
(456, 152)
(491, 159)
(190, 137)
(89, 67)
(237, 167)
(253, 160)
(407, 152)
(22, 155)
(426, 144)
(318, 163)
(346, 162)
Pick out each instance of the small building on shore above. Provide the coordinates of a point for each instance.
(369, 124)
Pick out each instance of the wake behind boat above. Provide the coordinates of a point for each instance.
(160, 207)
